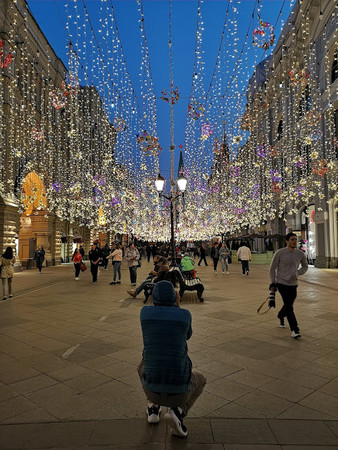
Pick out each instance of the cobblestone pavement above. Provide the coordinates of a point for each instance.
(69, 351)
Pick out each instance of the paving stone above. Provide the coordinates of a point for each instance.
(119, 432)
(322, 402)
(227, 389)
(33, 384)
(49, 435)
(303, 432)
(301, 412)
(14, 407)
(15, 436)
(289, 391)
(267, 404)
(242, 431)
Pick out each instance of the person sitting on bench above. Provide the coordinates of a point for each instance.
(161, 267)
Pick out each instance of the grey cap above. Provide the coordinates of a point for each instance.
(164, 294)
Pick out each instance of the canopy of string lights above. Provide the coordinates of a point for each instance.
(255, 143)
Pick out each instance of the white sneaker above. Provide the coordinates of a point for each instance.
(296, 334)
(153, 414)
(77, 278)
(228, 273)
(175, 421)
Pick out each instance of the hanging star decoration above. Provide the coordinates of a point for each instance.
(195, 110)
(148, 144)
(299, 76)
(172, 97)
(5, 59)
(264, 35)
(119, 124)
(60, 96)
(37, 133)
(321, 168)
(207, 130)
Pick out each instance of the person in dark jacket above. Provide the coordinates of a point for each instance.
(215, 255)
(39, 257)
(203, 253)
(105, 253)
(166, 370)
(94, 258)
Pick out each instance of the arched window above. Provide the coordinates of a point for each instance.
(280, 130)
(334, 69)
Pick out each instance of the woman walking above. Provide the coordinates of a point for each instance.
(7, 272)
(39, 257)
(224, 254)
(132, 256)
(77, 258)
(117, 261)
(215, 255)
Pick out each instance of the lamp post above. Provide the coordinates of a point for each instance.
(181, 184)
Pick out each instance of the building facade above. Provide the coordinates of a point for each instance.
(53, 135)
(291, 114)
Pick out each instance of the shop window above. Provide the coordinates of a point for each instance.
(334, 68)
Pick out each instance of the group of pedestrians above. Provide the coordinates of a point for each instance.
(165, 371)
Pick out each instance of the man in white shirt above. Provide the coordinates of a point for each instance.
(286, 265)
(244, 255)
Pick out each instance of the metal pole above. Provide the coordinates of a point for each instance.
(173, 251)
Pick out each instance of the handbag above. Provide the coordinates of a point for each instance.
(83, 266)
(139, 263)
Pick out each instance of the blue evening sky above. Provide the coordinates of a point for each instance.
(50, 15)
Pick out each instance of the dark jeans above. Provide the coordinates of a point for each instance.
(215, 263)
(94, 269)
(133, 274)
(105, 262)
(245, 266)
(39, 265)
(204, 259)
(77, 269)
(117, 269)
(288, 294)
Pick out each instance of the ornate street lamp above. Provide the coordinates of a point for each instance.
(181, 184)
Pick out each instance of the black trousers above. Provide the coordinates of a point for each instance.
(133, 274)
(204, 259)
(94, 269)
(215, 263)
(77, 269)
(288, 294)
(245, 266)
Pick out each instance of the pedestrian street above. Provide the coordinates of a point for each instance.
(69, 351)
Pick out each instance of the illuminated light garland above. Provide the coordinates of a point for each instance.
(264, 35)
(5, 59)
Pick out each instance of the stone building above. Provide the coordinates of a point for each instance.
(291, 115)
(52, 133)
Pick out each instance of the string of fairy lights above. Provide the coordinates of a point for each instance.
(257, 145)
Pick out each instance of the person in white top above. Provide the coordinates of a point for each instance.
(116, 255)
(244, 255)
(286, 265)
